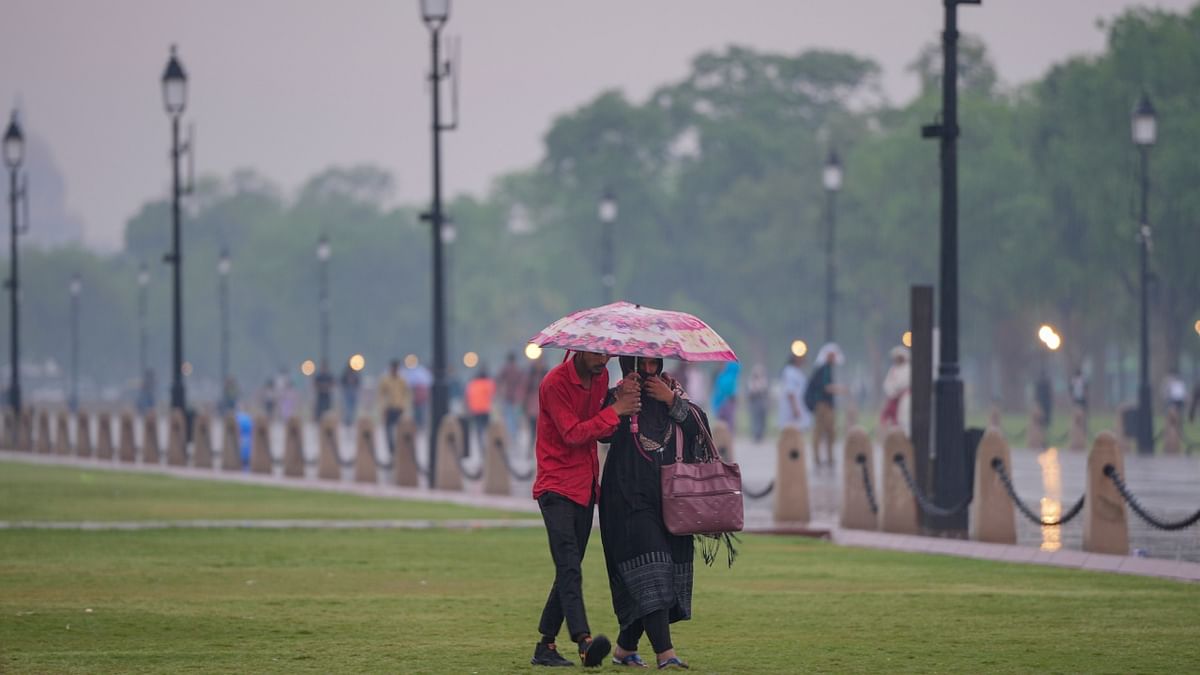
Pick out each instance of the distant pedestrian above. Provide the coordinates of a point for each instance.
(323, 385)
(268, 398)
(1043, 397)
(757, 392)
(480, 392)
(896, 413)
(509, 383)
(793, 383)
(394, 398)
(351, 383)
(229, 396)
(725, 394)
(289, 399)
(533, 381)
(145, 400)
(819, 396)
(1175, 392)
(419, 381)
(1195, 402)
(1078, 386)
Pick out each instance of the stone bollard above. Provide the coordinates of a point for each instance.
(150, 447)
(126, 447)
(856, 510)
(62, 433)
(992, 515)
(202, 446)
(405, 462)
(495, 468)
(723, 437)
(328, 466)
(83, 435)
(791, 478)
(449, 449)
(231, 443)
(104, 437)
(1126, 438)
(45, 444)
(1172, 433)
(364, 452)
(293, 449)
(1035, 435)
(177, 439)
(898, 509)
(25, 431)
(1078, 438)
(1105, 526)
(260, 446)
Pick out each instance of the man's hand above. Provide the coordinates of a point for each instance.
(629, 384)
(658, 390)
(628, 402)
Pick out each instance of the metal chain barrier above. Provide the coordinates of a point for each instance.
(861, 459)
(336, 447)
(759, 495)
(1076, 508)
(528, 475)
(924, 502)
(467, 474)
(1111, 472)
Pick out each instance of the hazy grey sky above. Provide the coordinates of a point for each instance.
(290, 87)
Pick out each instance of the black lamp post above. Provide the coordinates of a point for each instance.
(832, 179)
(76, 287)
(323, 253)
(950, 474)
(1145, 132)
(14, 154)
(224, 265)
(174, 88)
(608, 216)
(435, 14)
(143, 280)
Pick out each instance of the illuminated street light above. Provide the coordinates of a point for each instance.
(533, 352)
(357, 362)
(470, 359)
(308, 367)
(799, 348)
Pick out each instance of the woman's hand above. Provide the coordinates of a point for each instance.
(659, 390)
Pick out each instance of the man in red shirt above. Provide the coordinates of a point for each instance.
(572, 418)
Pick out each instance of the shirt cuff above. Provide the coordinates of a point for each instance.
(609, 417)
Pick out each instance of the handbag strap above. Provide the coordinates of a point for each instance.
(678, 444)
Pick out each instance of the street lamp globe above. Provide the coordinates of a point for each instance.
(323, 250)
(1145, 123)
(224, 264)
(832, 176)
(435, 12)
(76, 286)
(608, 207)
(174, 86)
(14, 143)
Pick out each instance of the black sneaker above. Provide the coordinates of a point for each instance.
(547, 655)
(593, 651)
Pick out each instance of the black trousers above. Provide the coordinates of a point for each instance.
(568, 526)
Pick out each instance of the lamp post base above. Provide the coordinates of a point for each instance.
(950, 486)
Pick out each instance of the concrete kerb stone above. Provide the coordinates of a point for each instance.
(328, 466)
(405, 472)
(202, 446)
(151, 453)
(898, 508)
(62, 433)
(855, 512)
(231, 443)
(45, 444)
(495, 468)
(104, 437)
(791, 479)
(260, 446)
(364, 454)
(126, 447)
(83, 435)
(177, 439)
(1105, 521)
(25, 441)
(293, 448)
(449, 449)
(992, 516)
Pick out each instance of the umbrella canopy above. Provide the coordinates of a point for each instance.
(626, 329)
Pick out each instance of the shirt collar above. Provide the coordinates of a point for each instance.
(572, 373)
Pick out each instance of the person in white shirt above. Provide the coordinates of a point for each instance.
(792, 411)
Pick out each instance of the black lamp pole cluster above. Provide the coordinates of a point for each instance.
(831, 177)
(174, 88)
(75, 287)
(950, 479)
(14, 155)
(435, 14)
(1145, 133)
(608, 216)
(224, 265)
(323, 254)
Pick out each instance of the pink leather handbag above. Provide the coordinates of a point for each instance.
(701, 498)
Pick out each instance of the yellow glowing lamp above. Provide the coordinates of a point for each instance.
(1197, 327)
(357, 362)
(308, 367)
(411, 361)
(799, 348)
(533, 352)
(906, 339)
(470, 359)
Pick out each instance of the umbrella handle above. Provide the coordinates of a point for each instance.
(633, 424)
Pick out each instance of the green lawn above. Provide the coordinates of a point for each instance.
(40, 492)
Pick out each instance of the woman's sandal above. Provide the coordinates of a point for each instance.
(672, 663)
(631, 659)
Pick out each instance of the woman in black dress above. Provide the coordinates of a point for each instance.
(649, 569)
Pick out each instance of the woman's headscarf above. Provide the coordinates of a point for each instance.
(654, 418)
(726, 386)
(826, 349)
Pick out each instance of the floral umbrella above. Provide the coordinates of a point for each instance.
(626, 329)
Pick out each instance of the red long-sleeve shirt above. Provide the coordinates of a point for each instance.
(571, 419)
